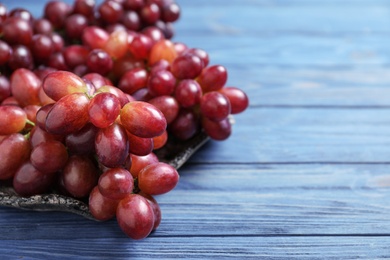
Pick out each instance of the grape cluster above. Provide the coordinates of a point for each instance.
(88, 94)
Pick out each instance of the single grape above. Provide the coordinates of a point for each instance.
(29, 181)
(131, 20)
(16, 30)
(188, 93)
(213, 78)
(157, 178)
(150, 13)
(101, 207)
(154, 33)
(161, 83)
(99, 61)
(162, 50)
(94, 37)
(168, 105)
(42, 47)
(74, 25)
(75, 55)
(57, 61)
(110, 11)
(68, 115)
(42, 26)
(140, 46)
(202, 54)
(238, 99)
(61, 83)
(215, 106)
(14, 150)
(143, 119)
(187, 66)
(112, 146)
(185, 125)
(79, 176)
(219, 130)
(56, 12)
(135, 216)
(21, 57)
(49, 157)
(12, 119)
(116, 183)
(116, 45)
(170, 12)
(103, 109)
(133, 80)
(82, 141)
(25, 86)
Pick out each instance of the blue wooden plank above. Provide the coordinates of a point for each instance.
(302, 135)
(203, 248)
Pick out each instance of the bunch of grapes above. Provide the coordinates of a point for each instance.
(88, 94)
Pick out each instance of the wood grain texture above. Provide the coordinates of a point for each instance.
(306, 172)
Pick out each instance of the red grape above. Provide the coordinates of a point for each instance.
(161, 83)
(101, 207)
(220, 130)
(103, 109)
(25, 86)
(79, 176)
(215, 106)
(82, 141)
(61, 83)
(29, 181)
(16, 30)
(14, 150)
(135, 216)
(187, 66)
(188, 93)
(112, 146)
(95, 37)
(185, 125)
(133, 80)
(213, 78)
(143, 119)
(49, 156)
(12, 120)
(238, 99)
(116, 183)
(168, 105)
(99, 61)
(68, 115)
(157, 178)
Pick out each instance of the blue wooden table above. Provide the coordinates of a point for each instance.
(306, 172)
